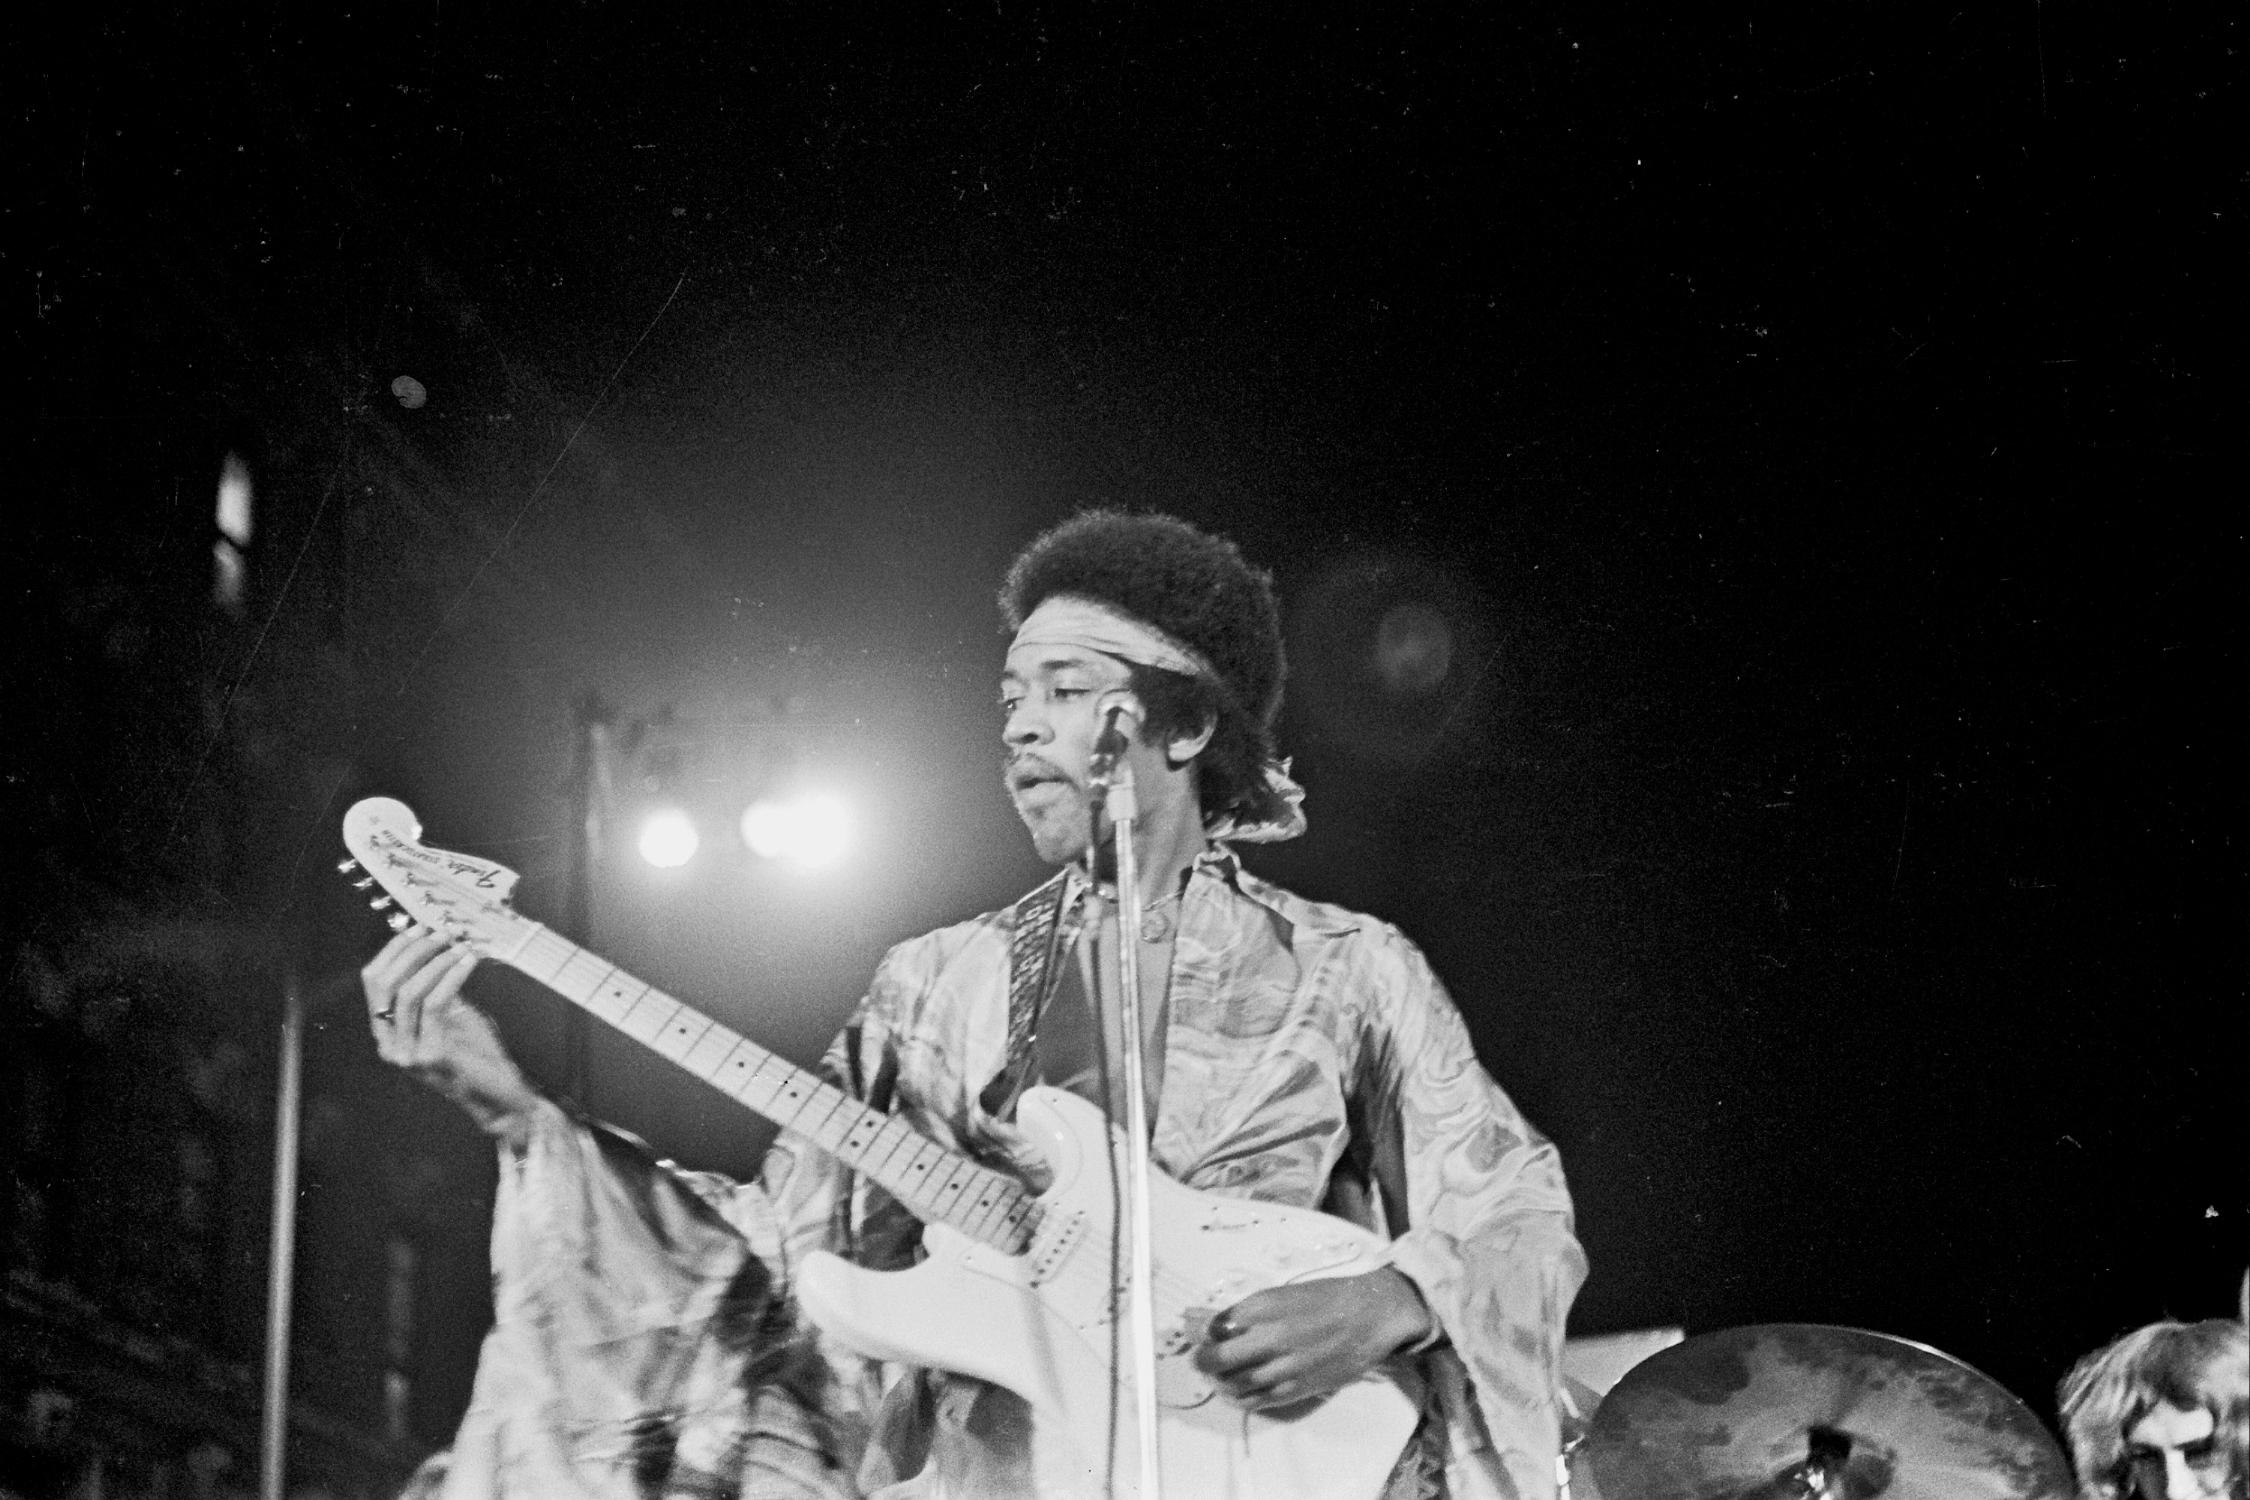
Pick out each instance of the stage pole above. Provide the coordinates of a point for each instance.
(281, 1256)
(590, 721)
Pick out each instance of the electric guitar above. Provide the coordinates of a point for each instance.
(1017, 1288)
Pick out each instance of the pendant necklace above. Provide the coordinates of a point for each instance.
(1157, 920)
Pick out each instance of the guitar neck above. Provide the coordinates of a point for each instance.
(935, 1184)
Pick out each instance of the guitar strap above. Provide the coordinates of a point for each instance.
(1037, 936)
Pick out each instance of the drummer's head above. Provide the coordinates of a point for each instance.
(2163, 1414)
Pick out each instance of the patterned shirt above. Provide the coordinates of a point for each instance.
(1311, 1058)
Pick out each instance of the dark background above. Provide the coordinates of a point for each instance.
(1811, 429)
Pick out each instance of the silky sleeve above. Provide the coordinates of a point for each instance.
(1487, 1235)
(645, 1329)
(638, 1337)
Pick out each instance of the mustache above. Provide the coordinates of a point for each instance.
(1017, 770)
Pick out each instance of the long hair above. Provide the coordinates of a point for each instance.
(1200, 590)
(2191, 1366)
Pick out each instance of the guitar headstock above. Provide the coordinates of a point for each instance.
(458, 895)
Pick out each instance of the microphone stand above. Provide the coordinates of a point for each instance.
(1111, 781)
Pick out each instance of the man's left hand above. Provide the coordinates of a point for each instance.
(1292, 1343)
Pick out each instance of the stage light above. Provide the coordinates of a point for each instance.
(668, 838)
(813, 829)
(234, 501)
(230, 567)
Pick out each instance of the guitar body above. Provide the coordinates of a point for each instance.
(1042, 1324)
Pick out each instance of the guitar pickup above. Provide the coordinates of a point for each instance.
(1058, 1234)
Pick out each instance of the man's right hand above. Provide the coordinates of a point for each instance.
(422, 1025)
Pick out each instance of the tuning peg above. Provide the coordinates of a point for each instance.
(364, 883)
(346, 866)
(381, 903)
(399, 921)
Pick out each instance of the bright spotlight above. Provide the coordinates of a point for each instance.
(824, 830)
(814, 829)
(668, 839)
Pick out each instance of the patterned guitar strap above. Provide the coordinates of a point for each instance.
(1041, 931)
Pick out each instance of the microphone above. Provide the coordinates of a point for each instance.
(1109, 745)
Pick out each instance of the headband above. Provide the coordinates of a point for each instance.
(1074, 620)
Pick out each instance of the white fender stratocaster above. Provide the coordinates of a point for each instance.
(1017, 1287)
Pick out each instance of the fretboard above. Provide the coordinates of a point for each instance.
(934, 1183)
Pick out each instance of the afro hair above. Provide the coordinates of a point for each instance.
(1198, 589)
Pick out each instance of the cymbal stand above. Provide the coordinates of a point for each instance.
(1821, 1475)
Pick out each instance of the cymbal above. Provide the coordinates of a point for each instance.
(1792, 1411)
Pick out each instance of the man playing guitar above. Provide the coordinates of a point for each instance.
(649, 1337)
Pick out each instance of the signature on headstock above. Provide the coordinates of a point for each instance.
(454, 891)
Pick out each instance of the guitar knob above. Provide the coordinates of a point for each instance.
(346, 866)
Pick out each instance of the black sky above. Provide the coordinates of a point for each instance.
(1814, 425)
